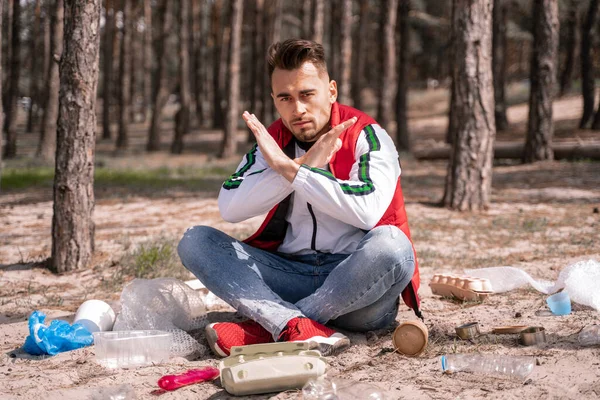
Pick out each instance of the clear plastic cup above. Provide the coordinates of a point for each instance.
(95, 315)
(559, 303)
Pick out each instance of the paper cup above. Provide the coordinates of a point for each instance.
(410, 338)
(95, 316)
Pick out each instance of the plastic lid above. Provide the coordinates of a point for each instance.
(443, 359)
(410, 338)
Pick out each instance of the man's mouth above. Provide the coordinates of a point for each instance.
(301, 123)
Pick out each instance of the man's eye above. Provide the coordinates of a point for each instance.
(285, 98)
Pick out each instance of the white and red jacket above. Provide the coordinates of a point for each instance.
(327, 209)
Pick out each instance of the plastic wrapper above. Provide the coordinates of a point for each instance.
(58, 337)
(164, 304)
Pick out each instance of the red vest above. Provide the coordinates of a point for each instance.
(270, 234)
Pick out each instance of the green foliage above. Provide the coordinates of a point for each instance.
(154, 259)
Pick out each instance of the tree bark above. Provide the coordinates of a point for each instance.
(587, 63)
(182, 119)
(47, 144)
(135, 62)
(229, 144)
(124, 76)
(6, 49)
(540, 127)
(402, 134)
(194, 46)
(107, 73)
(388, 63)
(35, 48)
(257, 64)
(500, 21)
(217, 37)
(469, 178)
(318, 21)
(264, 89)
(305, 18)
(571, 46)
(12, 108)
(147, 63)
(333, 24)
(160, 92)
(72, 223)
(1, 79)
(359, 55)
(346, 53)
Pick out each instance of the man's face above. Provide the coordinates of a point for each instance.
(303, 98)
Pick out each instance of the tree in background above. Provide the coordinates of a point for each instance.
(36, 68)
(318, 20)
(109, 33)
(72, 224)
(229, 144)
(571, 46)
(257, 66)
(125, 75)
(6, 50)
(1, 75)
(12, 107)
(500, 21)
(345, 72)
(540, 127)
(360, 40)
(469, 179)
(217, 39)
(587, 63)
(402, 135)
(147, 60)
(47, 144)
(305, 18)
(387, 54)
(160, 91)
(182, 119)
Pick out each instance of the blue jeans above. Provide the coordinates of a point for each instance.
(357, 292)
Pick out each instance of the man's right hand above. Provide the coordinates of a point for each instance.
(326, 146)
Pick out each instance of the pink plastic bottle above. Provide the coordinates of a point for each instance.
(172, 382)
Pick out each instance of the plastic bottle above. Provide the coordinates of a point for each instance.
(121, 392)
(590, 335)
(490, 364)
(340, 389)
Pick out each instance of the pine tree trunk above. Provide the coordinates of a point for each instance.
(1, 76)
(587, 63)
(72, 224)
(346, 52)
(257, 63)
(147, 63)
(124, 76)
(182, 118)
(318, 21)
(402, 135)
(228, 148)
(305, 18)
(540, 129)
(217, 36)
(34, 78)
(596, 123)
(571, 46)
(333, 24)
(135, 50)
(469, 178)
(387, 53)
(12, 108)
(6, 50)
(195, 44)
(107, 73)
(160, 92)
(500, 20)
(359, 55)
(47, 144)
(264, 89)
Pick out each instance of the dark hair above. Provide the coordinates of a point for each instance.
(292, 53)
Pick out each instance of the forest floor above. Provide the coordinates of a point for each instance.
(543, 217)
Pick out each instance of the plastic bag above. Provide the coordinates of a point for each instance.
(164, 304)
(581, 280)
(56, 338)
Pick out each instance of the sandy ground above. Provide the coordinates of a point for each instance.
(544, 217)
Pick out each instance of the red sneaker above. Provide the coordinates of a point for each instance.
(326, 340)
(222, 336)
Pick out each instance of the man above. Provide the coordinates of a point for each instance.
(335, 245)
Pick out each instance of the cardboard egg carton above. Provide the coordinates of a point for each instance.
(462, 287)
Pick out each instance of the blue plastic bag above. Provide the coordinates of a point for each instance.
(56, 338)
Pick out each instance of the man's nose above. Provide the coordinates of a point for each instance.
(300, 108)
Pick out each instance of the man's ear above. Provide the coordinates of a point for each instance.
(333, 91)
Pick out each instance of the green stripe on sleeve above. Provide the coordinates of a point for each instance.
(235, 180)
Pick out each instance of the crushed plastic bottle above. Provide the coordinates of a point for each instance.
(340, 389)
(590, 335)
(489, 364)
(121, 392)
